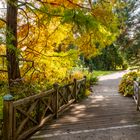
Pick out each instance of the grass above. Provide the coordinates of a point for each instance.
(134, 67)
(102, 73)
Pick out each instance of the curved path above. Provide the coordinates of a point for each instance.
(104, 115)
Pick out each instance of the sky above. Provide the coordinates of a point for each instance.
(2, 9)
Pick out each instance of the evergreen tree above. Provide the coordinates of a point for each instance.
(110, 59)
(129, 40)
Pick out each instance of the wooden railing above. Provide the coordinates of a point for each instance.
(25, 116)
(136, 94)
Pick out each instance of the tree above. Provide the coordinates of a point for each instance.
(129, 40)
(11, 42)
(109, 59)
(45, 26)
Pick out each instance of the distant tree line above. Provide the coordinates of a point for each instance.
(109, 59)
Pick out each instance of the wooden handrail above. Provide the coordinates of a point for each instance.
(33, 97)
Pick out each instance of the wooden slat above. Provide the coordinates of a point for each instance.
(62, 97)
(66, 105)
(28, 117)
(47, 105)
(31, 98)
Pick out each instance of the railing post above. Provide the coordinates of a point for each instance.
(138, 102)
(1, 126)
(85, 84)
(8, 117)
(75, 89)
(56, 104)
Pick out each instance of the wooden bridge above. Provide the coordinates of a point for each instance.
(104, 115)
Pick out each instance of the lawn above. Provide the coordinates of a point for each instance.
(101, 73)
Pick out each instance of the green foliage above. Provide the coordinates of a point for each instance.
(82, 19)
(98, 73)
(109, 59)
(132, 54)
(91, 79)
(81, 71)
(126, 84)
(129, 40)
(3, 91)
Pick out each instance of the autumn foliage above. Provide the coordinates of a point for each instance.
(52, 34)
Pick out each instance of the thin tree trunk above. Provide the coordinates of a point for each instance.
(11, 40)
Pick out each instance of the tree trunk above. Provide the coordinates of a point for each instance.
(11, 42)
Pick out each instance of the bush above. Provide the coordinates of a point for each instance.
(126, 84)
(76, 75)
(125, 66)
(91, 79)
(79, 73)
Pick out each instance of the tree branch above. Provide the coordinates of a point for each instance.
(3, 20)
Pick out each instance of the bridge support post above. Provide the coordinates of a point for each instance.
(8, 117)
(56, 104)
(75, 89)
(138, 102)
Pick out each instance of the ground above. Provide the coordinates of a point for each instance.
(104, 115)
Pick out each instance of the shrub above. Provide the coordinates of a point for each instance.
(76, 75)
(126, 84)
(91, 79)
(124, 66)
